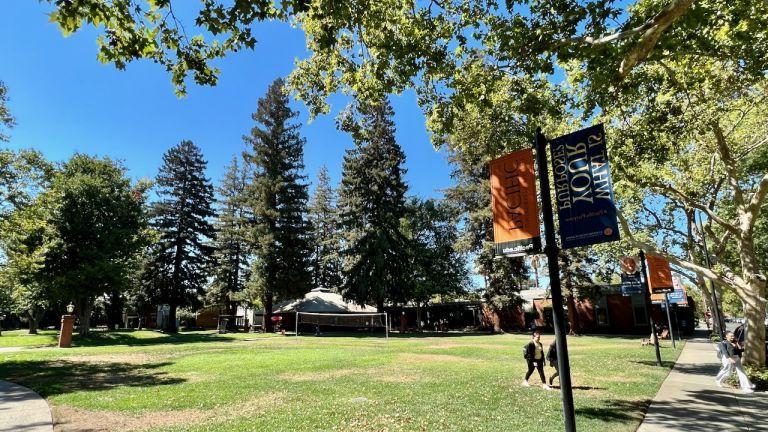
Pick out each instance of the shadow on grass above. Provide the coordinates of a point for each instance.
(129, 338)
(55, 377)
(664, 363)
(615, 410)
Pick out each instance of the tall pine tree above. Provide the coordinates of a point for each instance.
(181, 259)
(231, 245)
(277, 199)
(372, 204)
(323, 215)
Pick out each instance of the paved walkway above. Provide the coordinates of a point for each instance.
(689, 400)
(22, 410)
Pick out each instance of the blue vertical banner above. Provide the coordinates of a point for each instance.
(583, 188)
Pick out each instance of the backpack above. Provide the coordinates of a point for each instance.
(721, 350)
(525, 351)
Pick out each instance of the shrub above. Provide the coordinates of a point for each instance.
(187, 319)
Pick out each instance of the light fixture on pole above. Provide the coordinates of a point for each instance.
(70, 308)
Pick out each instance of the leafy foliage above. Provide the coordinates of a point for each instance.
(6, 119)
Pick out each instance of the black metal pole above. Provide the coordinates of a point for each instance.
(716, 315)
(551, 250)
(648, 306)
(669, 320)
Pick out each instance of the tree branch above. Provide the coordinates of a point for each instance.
(729, 164)
(651, 35)
(707, 273)
(692, 203)
(757, 200)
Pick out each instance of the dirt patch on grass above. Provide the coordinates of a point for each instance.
(434, 358)
(69, 419)
(449, 345)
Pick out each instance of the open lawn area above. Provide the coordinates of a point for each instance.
(204, 381)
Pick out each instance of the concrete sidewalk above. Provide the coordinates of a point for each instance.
(689, 400)
(21, 409)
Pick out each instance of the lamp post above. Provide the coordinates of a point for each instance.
(67, 324)
(717, 323)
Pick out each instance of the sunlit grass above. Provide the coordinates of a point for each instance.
(203, 381)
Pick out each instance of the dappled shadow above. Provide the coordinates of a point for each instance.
(664, 363)
(54, 377)
(706, 410)
(580, 387)
(380, 334)
(615, 410)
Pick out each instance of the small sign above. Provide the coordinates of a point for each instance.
(631, 284)
(516, 230)
(583, 188)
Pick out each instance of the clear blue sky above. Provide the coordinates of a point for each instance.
(65, 101)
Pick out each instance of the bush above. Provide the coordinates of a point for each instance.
(759, 378)
(187, 319)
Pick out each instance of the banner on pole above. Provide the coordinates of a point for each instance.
(630, 276)
(583, 188)
(516, 229)
(659, 275)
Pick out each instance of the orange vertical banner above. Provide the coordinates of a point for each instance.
(659, 275)
(516, 230)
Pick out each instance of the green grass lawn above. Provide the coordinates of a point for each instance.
(208, 382)
(22, 338)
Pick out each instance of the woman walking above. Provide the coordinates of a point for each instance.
(534, 356)
(552, 359)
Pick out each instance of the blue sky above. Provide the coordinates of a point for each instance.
(65, 101)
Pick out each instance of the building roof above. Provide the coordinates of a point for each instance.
(322, 300)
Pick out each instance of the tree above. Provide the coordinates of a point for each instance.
(24, 174)
(96, 221)
(323, 215)
(277, 201)
(6, 119)
(372, 205)
(181, 259)
(697, 146)
(26, 236)
(438, 269)
(231, 245)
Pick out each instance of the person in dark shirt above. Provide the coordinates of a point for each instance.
(552, 359)
(534, 356)
(730, 356)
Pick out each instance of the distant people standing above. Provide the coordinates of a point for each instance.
(731, 359)
(552, 359)
(534, 356)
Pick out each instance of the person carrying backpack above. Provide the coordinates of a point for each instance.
(552, 359)
(730, 356)
(534, 356)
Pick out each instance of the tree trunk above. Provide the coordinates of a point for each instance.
(33, 321)
(573, 316)
(115, 310)
(84, 316)
(170, 325)
(754, 312)
(268, 325)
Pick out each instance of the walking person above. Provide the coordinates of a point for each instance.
(731, 359)
(552, 359)
(534, 356)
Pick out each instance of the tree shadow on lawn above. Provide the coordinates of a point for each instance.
(664, 363)
(128, 338)
(616, 410)
(56, 377)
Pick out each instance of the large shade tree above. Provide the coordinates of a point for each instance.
(97, 220)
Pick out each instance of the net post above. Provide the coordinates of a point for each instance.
(297, 326)
(386, 325)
